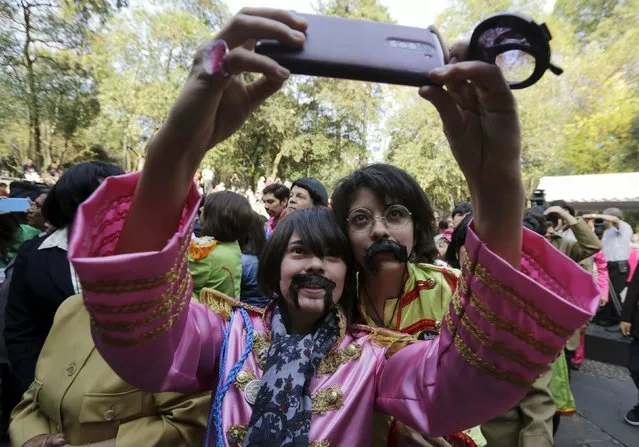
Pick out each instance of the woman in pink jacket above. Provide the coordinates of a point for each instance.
(300, 372)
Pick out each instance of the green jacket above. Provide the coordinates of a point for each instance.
(585, 242)
(24, 233)
(221, 270)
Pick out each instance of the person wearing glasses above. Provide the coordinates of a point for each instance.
(387, 217)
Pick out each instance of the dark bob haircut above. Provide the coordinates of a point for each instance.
(278, 190)
(457, 240)
(322, 236)
(227, 216)
(391, 185)
(74, 187)
(462, 208)
(315, 189)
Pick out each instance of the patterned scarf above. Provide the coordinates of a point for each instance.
(282, 413)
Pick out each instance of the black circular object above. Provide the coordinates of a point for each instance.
(517, 44)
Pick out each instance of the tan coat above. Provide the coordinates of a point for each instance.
(77, 393)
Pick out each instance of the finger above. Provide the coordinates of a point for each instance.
(56, 440)
(242, 60)
(244, 27)
(281, 15)
(433, 29)
(446, 107)
(487, 77)
(464, 93)
(459, 51)
(260, 90)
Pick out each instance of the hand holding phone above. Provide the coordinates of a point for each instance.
(360, 50)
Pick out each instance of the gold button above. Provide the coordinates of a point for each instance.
(351, 349)
(438, 325)
(109, 415)
(242, 376)
(332, 396)
(70, 369)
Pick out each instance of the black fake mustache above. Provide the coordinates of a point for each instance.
(399, 252)
(302, 280)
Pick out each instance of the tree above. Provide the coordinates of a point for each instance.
(43, 42)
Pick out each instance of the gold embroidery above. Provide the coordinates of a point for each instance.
(478, 363)
(336, 357)
(495, 346)
(138, 306)
(222, 304)
(260, 348)
(146, 335)
(235, 434)
(137, 285)
(322, 443)
(505, 325)
(168, 297)
(327, 399)
(528, 307)
(243, 378)
(201, 247)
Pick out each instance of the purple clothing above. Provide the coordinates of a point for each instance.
(503, 329)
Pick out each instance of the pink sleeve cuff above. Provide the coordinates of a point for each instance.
(131, 297)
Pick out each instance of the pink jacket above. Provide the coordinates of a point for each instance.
(503, 328)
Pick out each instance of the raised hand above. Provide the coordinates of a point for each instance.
(480, 121)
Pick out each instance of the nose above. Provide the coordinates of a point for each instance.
(379, 230)
(315, 266)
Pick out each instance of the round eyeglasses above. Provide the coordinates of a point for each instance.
(395, 217)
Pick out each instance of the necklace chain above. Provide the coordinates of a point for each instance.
(380, 318)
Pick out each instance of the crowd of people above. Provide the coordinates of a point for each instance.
(149, 309)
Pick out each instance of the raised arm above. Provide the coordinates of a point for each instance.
(129, 241)
(142, 319)
(503, 328)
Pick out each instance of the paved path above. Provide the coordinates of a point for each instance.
(604, 393)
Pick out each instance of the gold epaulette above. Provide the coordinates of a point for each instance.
(393, 341)
(223, 305)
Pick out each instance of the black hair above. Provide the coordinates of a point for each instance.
(9, 226)
(563, 204)
(252, 242)
(74, 187)
(280, 191)
(390, 185)
(443, 225)
(3, 184)
(315, 189)
(457, 240)
(320, 233)
(227, 216)
(462, 208)
(535, 220)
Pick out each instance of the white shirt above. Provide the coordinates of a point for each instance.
(60, 239)
(616, 242)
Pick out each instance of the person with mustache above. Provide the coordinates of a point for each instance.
(301, 372)
(387, 217)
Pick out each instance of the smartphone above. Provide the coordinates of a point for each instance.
(14, 205)
(336, 47)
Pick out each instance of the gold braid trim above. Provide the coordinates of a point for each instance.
(327, 399)
(495, 346)
(499, 322)
(528, 307)
(478, 363)
(119, 326)
(137, 285)
(322, 443)
(223, 305)
(152, 333)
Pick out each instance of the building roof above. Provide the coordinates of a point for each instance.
(594, 192)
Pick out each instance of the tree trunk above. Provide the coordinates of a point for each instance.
(276, 163)
(34, 110)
